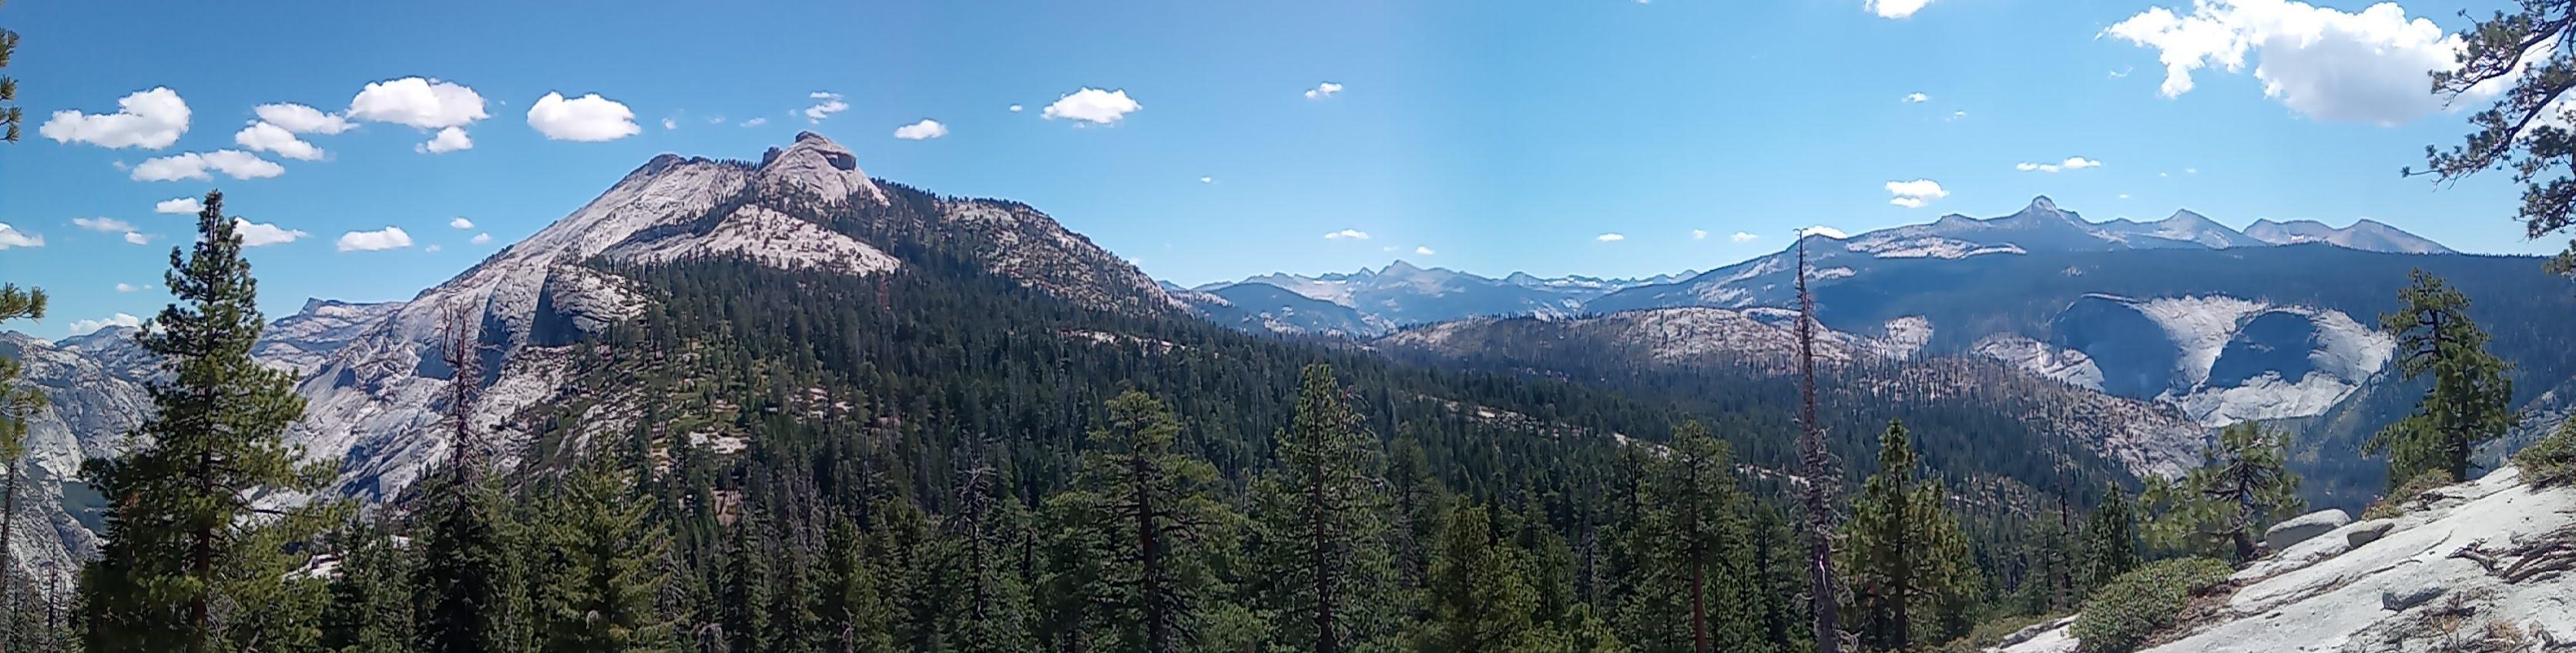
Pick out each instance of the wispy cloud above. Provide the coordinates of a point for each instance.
(2071, 163)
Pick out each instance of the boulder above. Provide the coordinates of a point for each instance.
(2365, 532)
(2398, 599)
(2302, 528)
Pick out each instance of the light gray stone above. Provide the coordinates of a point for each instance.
(2301, 528)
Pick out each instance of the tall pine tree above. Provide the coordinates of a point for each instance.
(371, 607)
(1697, 585)
(1907, 557)
(600, 598)
(190, 564)
(2110, 539)
(1326, 560)
(1480, 598)
(1157, 500)
(2470, 402)
(853, 606)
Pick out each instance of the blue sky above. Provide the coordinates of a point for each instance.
(1496, 135)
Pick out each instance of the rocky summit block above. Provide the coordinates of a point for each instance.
(2301, 528)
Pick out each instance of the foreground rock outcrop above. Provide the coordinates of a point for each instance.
(2488, 565)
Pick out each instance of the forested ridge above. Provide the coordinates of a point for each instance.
(943, 458)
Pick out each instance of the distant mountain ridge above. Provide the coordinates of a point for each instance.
(2364, 234)
(1369, 303)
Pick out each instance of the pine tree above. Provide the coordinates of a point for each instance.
(1697, 578)
(1478, 599)
(853, 605)
(1074, 595)
(2471, 399)
(747, 583)
(471, 584)
(371, 595)
(601, 600)
(2528, 49)
(1326, 558)
(1158, 500)
(2240, 487)
(1414, 494)
(2110, 539)
(15, 404)
(1906, 552)
(186, 566)
(994, 601)
(10, 115)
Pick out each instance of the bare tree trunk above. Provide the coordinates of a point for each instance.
(1820, 475)
(1326, 640)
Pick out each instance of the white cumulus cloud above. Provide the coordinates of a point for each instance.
(14, 237)
(670, 123)
(127, 287)
(1324, 90)
(1917, 98)
(2071, 163)
(1699, 234)
(2373, 67)
(302, 119)
(587, 119)
(147, 119)
(1894, 8)
(1610, 238)
(138, 238)
(264, 136)
(1093, 106)
(195, 165)
(177, 206)
(1347, 234)
(1743, 237)
(447, 140)
(11, 237)
(921, 131)
(1423, 250)
(1016, 108)
(460, 223)
(418, 102)
(109, 225)
(86, 327)
(374, 241)
(262, 234)
(481, 239)
(1915, 194)
(825, 104)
